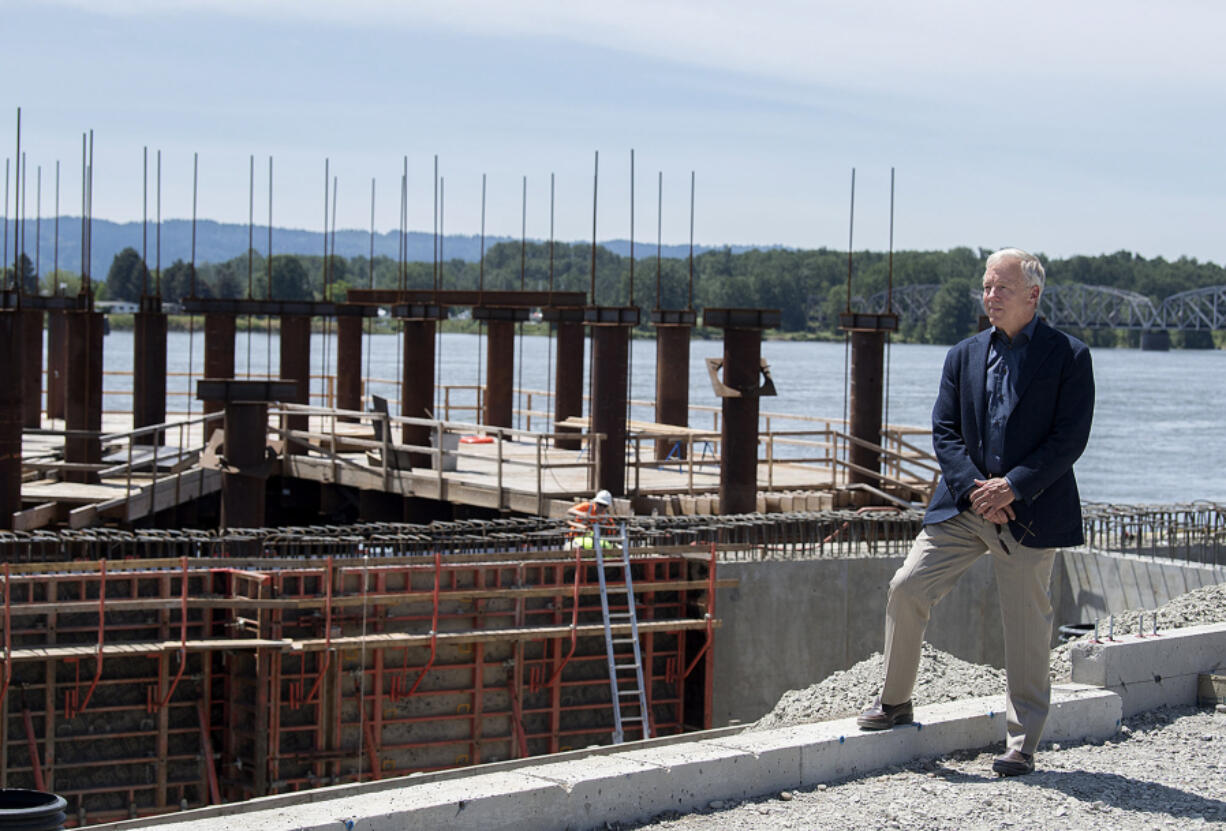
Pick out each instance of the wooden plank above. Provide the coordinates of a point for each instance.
(39, 516)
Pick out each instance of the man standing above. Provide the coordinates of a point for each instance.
(1012, 415)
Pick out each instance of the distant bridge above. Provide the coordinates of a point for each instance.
(1084, 307)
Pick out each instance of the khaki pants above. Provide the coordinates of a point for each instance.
(940, 555)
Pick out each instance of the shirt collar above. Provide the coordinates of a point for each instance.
(1023, 337)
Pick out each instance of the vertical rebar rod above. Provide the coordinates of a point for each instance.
(435, 267)
(250, 245)
(659, 236)
(89, 250)
(523, 276)
(23, 219)
(268, 288)
(195, 192)
(4, 260)
(370, 278)
(631, 303)
(324, 276)
(84, 276)
(851, 227)
(157, 232)
(691, 297)
(438, 329)
(55, 262)
(404, 207)
(144, 222)
(16, 207)
(38, 224)
(595, 186)
(481, 292)
(551, 195)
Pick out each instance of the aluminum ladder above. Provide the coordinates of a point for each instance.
(625, 679)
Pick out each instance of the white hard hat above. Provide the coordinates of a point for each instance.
(604, 498)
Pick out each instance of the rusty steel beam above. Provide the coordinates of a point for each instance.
(738, 463)
(466, 297)
(149, 369)
(11, 345)
(83, 392)
(296, 366)
(610, 349)
(349, 363)
(500, 373)
(568, 381)
(864, 402)
(57, 368)
(417, 396)
(219, 331)
(672, 383)
(32, 393)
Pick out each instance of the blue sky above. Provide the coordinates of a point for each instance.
(1063, 127)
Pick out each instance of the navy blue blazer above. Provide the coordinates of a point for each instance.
(1044, 435)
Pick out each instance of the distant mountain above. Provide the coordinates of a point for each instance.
(219, 241)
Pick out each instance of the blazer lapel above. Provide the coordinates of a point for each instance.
(1036, 353)
(978, 379)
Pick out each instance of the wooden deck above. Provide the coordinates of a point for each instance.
(506, 470)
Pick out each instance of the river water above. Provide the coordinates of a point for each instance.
(1158, 434)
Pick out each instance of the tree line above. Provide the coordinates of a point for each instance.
(809, 287)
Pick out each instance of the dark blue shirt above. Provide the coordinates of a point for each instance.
(1005, 359)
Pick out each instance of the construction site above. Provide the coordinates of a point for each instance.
(281, 593)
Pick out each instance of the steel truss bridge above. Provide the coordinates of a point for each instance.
(1085, 307)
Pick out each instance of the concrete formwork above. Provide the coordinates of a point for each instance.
(83, 392)
(12, 342)
(149, 368)
(192, 682)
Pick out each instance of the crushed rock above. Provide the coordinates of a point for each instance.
(942, 677)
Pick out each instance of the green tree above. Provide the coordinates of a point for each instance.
(125, 279)
(290, 280)
(953, 313)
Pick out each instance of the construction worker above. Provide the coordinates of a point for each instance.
(585, 516)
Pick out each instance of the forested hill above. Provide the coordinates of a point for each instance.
(809, 287)
(219, 241)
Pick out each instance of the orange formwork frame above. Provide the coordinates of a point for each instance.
(143, 686)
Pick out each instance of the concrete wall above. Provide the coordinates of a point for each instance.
(1098, 585)
(790, 624)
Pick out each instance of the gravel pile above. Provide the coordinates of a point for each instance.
(942, 677)
(1196, 608)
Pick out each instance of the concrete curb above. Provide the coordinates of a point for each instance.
(1148, 671)
(639, 782)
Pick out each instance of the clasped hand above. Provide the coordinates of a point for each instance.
(991, 499)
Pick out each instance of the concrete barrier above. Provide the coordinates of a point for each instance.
(640, 781)
(1152, 670)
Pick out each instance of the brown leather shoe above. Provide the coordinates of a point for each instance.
(884, 716)
(1013, 763)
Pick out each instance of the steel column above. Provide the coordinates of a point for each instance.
(219, 331)
(32, 404)
(500, 373)
(149, 369)
(11, 345)
(57, 353)
(349, 363)
(672, 384)
(418, 385)
(609, 363)
(242, 492)
(864, 404)
(83, 391)
(738, 458)
(296, 366)
(568, 381)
